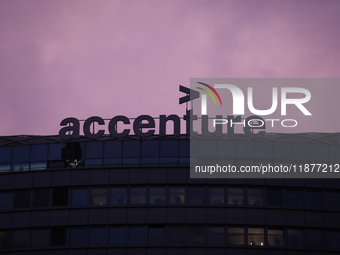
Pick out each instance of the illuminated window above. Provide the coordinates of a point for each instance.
(256, 236)
(275, 237)
(236, 236)
(98, 196)
(176, 195)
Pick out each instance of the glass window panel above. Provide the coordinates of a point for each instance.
(255, 196)
(314, 238)
(94, 150)
(97, 236)
(113, 149)
(38, 165)
(112, 161)
(157, 196)
(195, 235)
(275, 196)
(21, 153)
(60, 197)
(236, 196)
(294, 198)
(99, 196)
(54, 151)
(169, 148)
(295, 238)
(156, 235)
(176, 234)
(5, 200)
(58, 236)
(41, 197)
(79, 196)
(150, 148)
(256, 236)
(313, 199)
(137, 195)
(117, 235)
(4, 239)
(22, 198)
(216, 196)
(236, 236)
(184, 148)
(21, 238)
(39, 152)
(94, 162)
(332, 200)
(333, 240)
(275, 237)
(136, 235)
(5, 168)
(216, 235)
(131, 161)
(176, 195)
(77, 236)
(131, 149)
(118, 196)
(244, 149)
(5, 155)
(21, 167)
(196, 195)
(40, 238)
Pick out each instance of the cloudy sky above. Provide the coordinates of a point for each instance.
(87, 58)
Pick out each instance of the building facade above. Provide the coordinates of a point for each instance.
(135, 196)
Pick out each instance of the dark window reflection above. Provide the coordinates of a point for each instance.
(118, 196)
(136, 235)
(216, 235)
(314, 238)
(40, 237)
(157, 196)
(117, 235)
(332, 200)
(21, 238)
(60, 197)
(313, 199)
(97, 236)
(295, 238)
(137, 195)
(294, 198)
(333, 240)
(156, 235)
(275, 196)
(176, 195)
(176, 234)
(79, 196)
(216, 196)
(58, 236)
(72, 154)
(22, 198)
(255, 196)
(235, 196)
(41, 197)
(77, 236)
(5, 200)
(196, 235)
(196, 195)
(4, 239)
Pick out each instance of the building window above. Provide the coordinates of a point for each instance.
(333, 240)
(5, 200)
(98, 196)
(236, 236)
(58, 236)
(294, 198)
(40, 237)
(314, 238)
(157, 196)
(196, 195)
(137, 195)
(118, 196)
(332, 200)
(216, 196)
(22, 198)
(78, 236)
(41, 197)
(136, 235)
(156, 235)
(79, 196)
(313, 199)
(255, 196)
(275, 196)
(4, 239)
(176, 234)
(97, 236)
(117, 235)
(21, 238)
(256, 236)
(60, 197)
(235, 196)
(176, 195)
(295, 238)
(196, 235)
(275, 237)
(216, 235)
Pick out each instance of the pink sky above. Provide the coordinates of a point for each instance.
(87, 58)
